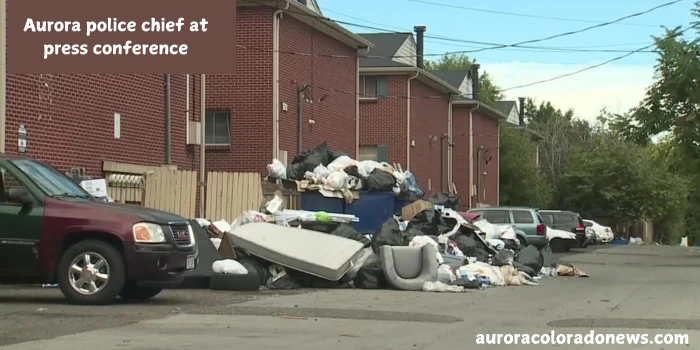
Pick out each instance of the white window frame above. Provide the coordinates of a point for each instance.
(363, 86)
(214, 114)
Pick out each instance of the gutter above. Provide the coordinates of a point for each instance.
(168, 123)
(471, 157)
(480, 106)
(275, 81)
(449, 144)
(357, 105)
(3, 80)
(427, 77)
(408, 120)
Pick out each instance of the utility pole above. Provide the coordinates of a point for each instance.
(301, 92)
(202, 144)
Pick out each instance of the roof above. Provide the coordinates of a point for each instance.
(481, 107)
(386, 45)
(309, 17)
(453, 77)
(505, 106)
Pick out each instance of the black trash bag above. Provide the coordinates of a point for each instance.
(512, 244)
(286, 282)
(380, 180)
(446, 199)
(296, 171)
(531, 258)
(352, 171)
(325, 227)
(257, 268)
(333, 155)
(528, 270)
(548, 258)
(426, 221)
(347, 231)
(308, 281)
(390, 234)
(471, 245)
(467, 284)
(308, 161)
(405, 194)
(503, 258)
(370, 276)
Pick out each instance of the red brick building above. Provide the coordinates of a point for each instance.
(428, 122)
(83, 120)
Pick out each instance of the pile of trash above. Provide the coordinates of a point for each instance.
(332, 171)
(428, 246)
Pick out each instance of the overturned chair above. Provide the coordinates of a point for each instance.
(407, 268)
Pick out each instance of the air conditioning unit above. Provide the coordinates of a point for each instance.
(194, 133)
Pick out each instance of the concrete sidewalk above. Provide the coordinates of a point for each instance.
(632, 289)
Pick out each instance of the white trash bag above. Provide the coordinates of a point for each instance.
(229, 267)
(340, 163)
(277, 170)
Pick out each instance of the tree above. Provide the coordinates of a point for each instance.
(521, 182)
(489, 91)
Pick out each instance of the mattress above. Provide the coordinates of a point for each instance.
(315, 253)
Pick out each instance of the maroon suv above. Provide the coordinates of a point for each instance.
(53, 231)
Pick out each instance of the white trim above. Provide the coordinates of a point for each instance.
(471, 157)
(408, 119)
(498, 165)
(276, 18)
(449, 145)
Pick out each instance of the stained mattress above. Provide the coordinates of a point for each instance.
(318, 254)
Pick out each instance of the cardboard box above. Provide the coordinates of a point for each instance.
(410, 211)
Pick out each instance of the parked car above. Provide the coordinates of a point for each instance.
(568, 221)
(527, 220)
(560, 240)
(53, 231)
(604, 234)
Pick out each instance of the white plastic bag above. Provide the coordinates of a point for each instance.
(490, 230)
(445, 274)
(216, 242)
(341, 163)
(508, 232)
(336, 181)
(247, 217)
(365, 167)
(322, 171)
(274, 205)
(277, 170)
(497, 243)
(441, 287)
(229, 267)
(684, 241)
(203, 222)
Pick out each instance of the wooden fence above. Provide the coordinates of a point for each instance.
(174, 191)
(229, 194)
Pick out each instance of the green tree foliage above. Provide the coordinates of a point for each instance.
(490, 92)
(521, 182)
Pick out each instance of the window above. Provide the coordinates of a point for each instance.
(8, 182)
(565, 219)
(588, 224)
(497, 216)
(217, 128)
(547, 219)
(373, 86)
(522, 217)
(50, 180)
(375, 153)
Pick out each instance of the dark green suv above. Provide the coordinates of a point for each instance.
(527, 220)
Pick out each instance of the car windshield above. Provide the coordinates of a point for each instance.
(50, 180)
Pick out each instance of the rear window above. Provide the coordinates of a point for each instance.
(565, 219)
(522, 217)
(497, 216)
(587, 224)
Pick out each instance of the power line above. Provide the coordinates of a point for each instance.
(526, 15)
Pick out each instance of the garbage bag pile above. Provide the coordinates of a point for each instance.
(328, 170)
(428, 247)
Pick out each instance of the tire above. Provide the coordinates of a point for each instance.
(139, 293)
(112, 267)
(522, 241)
(558, 245)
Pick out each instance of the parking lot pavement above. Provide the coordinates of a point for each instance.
(638, 289)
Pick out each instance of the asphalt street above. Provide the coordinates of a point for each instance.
(631, 289)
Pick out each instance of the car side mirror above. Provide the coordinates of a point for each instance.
(21, 196)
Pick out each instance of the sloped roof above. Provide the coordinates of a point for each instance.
(452, 77)
(505, 106)
(386, 45)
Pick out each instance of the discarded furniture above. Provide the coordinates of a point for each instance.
(407, 268)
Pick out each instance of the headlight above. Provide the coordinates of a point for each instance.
(145, 232)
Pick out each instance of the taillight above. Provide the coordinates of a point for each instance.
(540, 229)
(580, 228)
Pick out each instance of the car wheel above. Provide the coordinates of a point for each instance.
(558, 245)
(133, 292)
(522, 241)
(91, 273)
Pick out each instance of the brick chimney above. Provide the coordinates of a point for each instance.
(420, 30)
(475, 81)
(522, 111)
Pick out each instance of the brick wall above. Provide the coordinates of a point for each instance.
(486, 133)
(460, 154)
(333, 88)
(428, 118)
(70, 119)
(247, 95)
(383, 122)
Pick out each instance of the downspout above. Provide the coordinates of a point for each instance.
(498, 165)
(408, 120)
(187, 111)
(275, 81)
(471, 157)
(449, 144)
(3, 66)
(202, 144)
(168, 123)
(357, 106)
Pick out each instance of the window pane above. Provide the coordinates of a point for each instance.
(362, 86)
(209, 128)
(7, 182)
(367, 153)
(371, 86)
(587, 224)
(547, 219)
(522, 217)
(497, 216)
(221, 128)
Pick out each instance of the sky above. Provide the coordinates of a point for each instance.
(617, 86)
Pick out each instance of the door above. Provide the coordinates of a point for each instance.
(20, 230)
(524, 221)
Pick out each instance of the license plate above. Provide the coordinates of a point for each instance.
(190, 262)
